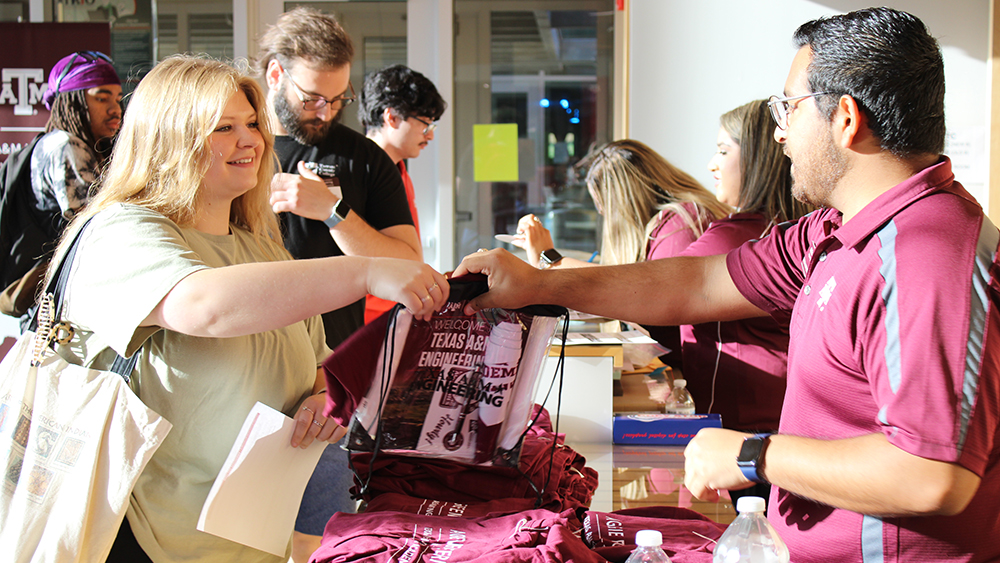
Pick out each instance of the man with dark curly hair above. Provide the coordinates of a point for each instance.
(399, 108)
(84, 96)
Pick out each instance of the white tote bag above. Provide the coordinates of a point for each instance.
(73, 441)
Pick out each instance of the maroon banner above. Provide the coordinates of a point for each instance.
(30, 50)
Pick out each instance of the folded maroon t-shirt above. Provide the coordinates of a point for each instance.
(529, 536)
(612, 534)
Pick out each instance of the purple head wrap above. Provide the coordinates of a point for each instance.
(79, 71)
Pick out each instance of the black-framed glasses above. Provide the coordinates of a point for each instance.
(429, 126)
(80, 57)
(311, 102)
(781, 108)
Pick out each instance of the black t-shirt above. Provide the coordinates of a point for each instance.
(371, 185)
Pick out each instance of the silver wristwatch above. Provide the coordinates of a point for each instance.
(549, 258)
(340, 211)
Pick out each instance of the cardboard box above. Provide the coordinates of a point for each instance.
(658, 428)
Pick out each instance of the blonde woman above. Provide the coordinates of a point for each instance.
(651, 208)
(182, 257)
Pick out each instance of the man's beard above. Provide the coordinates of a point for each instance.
(309, 131)
(817, 173)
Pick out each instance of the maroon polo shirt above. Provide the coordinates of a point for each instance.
(735, 368)
(894, 329)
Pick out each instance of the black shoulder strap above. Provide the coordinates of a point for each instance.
(57, 287)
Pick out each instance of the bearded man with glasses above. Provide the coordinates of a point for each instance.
(339, 194)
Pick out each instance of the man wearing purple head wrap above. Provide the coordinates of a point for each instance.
(84, 95)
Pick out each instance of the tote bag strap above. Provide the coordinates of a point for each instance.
(52, 302)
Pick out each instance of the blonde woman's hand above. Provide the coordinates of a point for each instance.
(420, 288)
(310, 424)
(535, 238)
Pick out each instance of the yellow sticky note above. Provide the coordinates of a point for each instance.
(495, 152)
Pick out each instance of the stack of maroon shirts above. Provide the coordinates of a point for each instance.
(569, 484)
(688, 537)
(436, 531)
(528, 536)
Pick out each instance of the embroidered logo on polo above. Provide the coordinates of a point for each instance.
(826, 293)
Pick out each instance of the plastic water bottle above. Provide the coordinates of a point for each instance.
(649, 550)
(750, 538)
(679, 401)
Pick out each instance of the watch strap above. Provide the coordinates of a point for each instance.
(751, 467)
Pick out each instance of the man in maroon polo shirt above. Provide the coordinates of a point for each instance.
(887, 448)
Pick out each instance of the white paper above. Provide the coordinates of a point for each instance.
(603, 338)
(509, 238)
(256, 496)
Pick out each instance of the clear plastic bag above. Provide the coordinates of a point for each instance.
(457, 386)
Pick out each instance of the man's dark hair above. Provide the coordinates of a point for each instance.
(307, 34)
(890, 64)
(70, 114)
(401, 89)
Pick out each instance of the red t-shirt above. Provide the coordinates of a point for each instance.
(668, 239)
(375, 306)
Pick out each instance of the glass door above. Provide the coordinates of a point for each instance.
(547, 67)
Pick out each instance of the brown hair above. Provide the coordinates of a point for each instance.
(306, 34)
(766, 171)
(71, 114)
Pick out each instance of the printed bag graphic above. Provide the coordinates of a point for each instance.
(72, 443)
(458, 386)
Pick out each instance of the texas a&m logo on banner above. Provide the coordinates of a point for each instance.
(30, 50)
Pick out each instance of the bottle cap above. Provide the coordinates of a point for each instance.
(750, 504)
(648, 538)
(680, 383)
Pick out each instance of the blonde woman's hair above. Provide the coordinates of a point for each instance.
(162, 152)
(631, 185)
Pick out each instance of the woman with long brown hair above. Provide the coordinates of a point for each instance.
(738, 368)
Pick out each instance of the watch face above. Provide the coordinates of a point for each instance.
(750, 450)
(551, 256)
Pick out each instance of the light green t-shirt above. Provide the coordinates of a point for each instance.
(128, 260)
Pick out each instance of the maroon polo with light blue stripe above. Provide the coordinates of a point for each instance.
(894, 329)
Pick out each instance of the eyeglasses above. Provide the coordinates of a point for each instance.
(80, 57)
(313, 103)
(780, 108)
(429, 127)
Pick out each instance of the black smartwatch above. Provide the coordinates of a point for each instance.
(340, 211)
(548, 258)
(752, 455)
